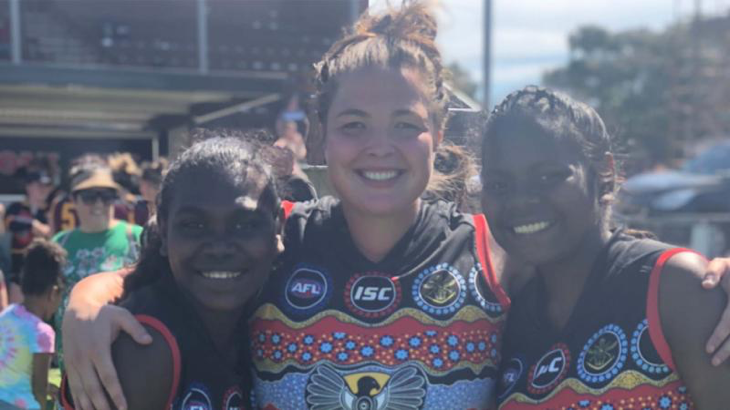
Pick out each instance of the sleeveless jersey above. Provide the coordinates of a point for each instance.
(419, 330)
(611, 354)
(202, 379)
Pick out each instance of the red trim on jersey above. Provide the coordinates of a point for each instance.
(482, 244)
(287, 206)
(170, 339)
(176, 364)
(652, 308)
(65, 401)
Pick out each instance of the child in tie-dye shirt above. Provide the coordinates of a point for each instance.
(26, 342)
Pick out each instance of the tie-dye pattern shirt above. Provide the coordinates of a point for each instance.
(22, 334)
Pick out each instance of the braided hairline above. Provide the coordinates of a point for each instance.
(561, 116)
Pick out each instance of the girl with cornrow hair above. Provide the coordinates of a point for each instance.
(610, 320)
(381, 299)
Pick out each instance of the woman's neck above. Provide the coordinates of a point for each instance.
(375, 235)
(35, 306)
(565, 279)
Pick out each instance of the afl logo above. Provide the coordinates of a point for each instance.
(439, 290)
(307, 289)
(372, 294)
(196, 398)
(549, 370)
(233, 399)
(511, 374)
(604, 355)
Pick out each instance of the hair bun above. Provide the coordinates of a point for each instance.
(412, 21)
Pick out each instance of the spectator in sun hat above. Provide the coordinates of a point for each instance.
(26, 219)
(100, 243)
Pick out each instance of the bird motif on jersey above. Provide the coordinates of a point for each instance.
(328, 390)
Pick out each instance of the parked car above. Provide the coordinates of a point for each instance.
(702, 185)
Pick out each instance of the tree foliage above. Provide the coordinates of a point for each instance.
(657, 91)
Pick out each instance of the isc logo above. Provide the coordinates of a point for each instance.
(372, 294)
(549, 370)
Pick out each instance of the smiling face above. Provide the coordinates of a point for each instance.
(220, 245)
(380, 140)
(539, 196)
(94, 207)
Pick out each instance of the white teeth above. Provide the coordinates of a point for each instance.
(380, 175)
(221, 275)
(531, 228)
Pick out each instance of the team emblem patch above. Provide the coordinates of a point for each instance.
(550, 370)
(372, 294)
(643, 352)
(483, 296)
(510, 376)
(439, 290)
(366, 390)
(233, 399)
(307, 290)
(604, 355)
(196, 398)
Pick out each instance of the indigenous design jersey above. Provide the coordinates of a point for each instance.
(610, 355)
(419, 330)
(204, 379)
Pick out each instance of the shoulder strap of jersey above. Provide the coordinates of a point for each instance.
(172, 342)
(652, 307)
(490, 276)
(287, 206)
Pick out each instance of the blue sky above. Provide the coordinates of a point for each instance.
(531, 36)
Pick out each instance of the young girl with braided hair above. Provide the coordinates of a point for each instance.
(610, 320)
(381, 299)
(216, 236)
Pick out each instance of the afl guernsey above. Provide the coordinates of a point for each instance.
(419, 330)
(611, 354)
(202, 378)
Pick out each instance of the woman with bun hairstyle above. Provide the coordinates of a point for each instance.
(381, 299)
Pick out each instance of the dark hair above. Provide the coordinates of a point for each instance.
(152, 172)
(541, 111)
(397, 38)
(230, 159)
(43, 267)
(454, 168)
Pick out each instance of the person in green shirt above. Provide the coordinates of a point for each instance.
(100, 243)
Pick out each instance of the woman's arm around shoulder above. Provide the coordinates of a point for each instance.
(148, 373)
(688, 315)
(89, 327)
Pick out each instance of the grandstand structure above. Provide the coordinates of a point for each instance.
(81, 76)
(129, 75)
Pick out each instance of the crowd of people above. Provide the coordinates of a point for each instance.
(58, 237)
(388, 296)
